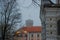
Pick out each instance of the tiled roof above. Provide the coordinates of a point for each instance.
(31, 29)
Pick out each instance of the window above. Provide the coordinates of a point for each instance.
(50, 25)
(50, 32)
(25, 35)
(37, 35)
(50, 19)
(32, 35)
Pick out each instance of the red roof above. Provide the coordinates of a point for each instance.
(31, 29)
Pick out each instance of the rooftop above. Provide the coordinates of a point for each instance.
(30, 29)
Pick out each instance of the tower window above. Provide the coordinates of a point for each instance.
(58, 27)
(50, 32)
(50, 19)
(50, 25)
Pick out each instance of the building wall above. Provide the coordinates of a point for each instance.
(51, 16)
(58, 1)
(42, 17)
(51, 26)
(30, 36)
(35, 36)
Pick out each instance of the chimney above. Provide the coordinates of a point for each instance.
(29, 22)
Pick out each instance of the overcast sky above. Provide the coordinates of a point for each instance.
(29, 11)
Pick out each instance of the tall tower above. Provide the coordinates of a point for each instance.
(42, 16)
(50, 18)
(58, 1)
(29, 22)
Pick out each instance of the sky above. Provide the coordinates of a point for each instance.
(53, 1)
(30, 11)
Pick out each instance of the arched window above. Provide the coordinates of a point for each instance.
(58, 27)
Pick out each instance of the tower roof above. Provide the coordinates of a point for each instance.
(52, 6)
(29, 22)
(46, 2)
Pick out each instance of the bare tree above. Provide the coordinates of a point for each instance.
(9, 17)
